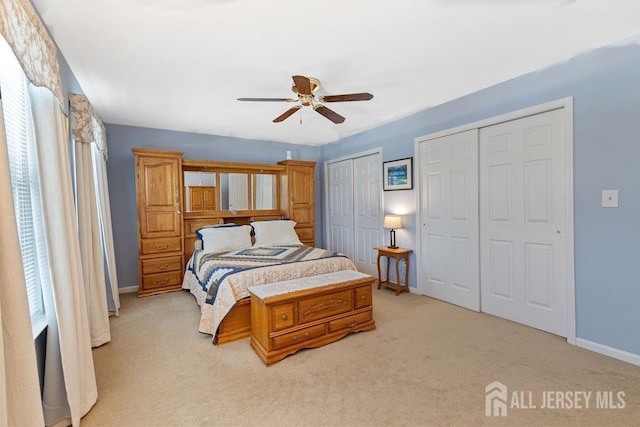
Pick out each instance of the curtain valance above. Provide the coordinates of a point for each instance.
(86, 125)
(36, 52)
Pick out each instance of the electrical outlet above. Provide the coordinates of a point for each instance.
(609, 198)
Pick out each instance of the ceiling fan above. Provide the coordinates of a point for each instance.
(306, 89)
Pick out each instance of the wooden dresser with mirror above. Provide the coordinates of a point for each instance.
(177, 196)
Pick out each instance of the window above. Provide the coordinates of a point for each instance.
(23, 166)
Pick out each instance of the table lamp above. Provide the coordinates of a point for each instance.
(392, 222)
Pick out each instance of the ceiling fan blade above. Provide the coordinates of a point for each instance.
(286, 114)
(303, 85)
(267, 99)
(364, 96)
(329, 114)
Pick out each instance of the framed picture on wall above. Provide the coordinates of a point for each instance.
(398, 174)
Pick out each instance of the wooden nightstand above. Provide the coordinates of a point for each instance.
(399, 254)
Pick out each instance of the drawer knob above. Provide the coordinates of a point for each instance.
(306, 334)
(363, 297)
(162, 282)
(351, 325)
(284, 317)
(162, 267)
(160, 247)
(295, 338)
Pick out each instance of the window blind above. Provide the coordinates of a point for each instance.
(20, 136)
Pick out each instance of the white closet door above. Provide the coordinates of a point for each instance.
(523, 221)
(341, 207)
(367, 212)
(448, 176)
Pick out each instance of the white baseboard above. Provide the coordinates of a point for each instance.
(127, 289)
(625, 356)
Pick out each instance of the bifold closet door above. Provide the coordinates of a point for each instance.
(367, 212)
(449, 257)
(523, 221)
(341, 236)
(355, 209)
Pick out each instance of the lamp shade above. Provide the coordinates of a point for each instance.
(392, 221)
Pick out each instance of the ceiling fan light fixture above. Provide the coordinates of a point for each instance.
(306, 88)
(314, 85)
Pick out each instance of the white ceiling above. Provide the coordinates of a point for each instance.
(181, 64)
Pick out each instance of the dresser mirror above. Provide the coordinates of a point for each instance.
(264, 196)
(231, 192)
(227, 189)
(234, 191)
(200, 191)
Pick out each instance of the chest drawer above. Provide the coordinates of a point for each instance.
(158, 246)
(363, 297)
(170, 279)
(160, 265)
(350, 322)
(323, 306)
(282, 316)
(297, 337)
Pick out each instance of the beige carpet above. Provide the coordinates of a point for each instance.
(427, 363)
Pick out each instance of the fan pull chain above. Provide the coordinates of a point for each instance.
(300, 116)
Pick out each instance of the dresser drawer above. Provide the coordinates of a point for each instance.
(363, 296)
(323, 306)
(349, 322)
(305, 233)
(293, 338)
(158, 246)
(308, 242)
(282, 316)
(160, 265)
(170, 279)
(191, 225)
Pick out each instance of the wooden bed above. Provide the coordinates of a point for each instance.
(236, 324)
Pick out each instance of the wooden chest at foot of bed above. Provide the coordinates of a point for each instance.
(309, 312)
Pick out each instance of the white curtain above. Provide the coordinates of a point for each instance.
(96, 235)
(68, 334)
(100, 169)
(91, 246)
(19, 387)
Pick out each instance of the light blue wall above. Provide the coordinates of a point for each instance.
(605, 85)
(120, 170)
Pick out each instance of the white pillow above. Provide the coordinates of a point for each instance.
(273, 233)
(225, 237)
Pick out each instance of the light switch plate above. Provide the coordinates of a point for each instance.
(609, 198)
